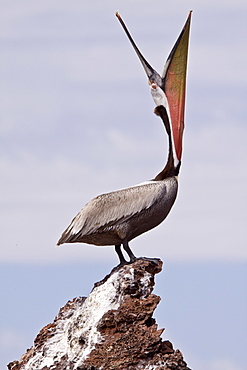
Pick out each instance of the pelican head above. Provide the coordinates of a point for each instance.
(168, 90)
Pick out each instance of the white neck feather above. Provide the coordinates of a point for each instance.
(160, 98)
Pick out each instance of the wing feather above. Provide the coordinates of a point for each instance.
(115, 207)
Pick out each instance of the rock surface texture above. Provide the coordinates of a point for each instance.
(111, 329)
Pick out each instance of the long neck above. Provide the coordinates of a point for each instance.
(169, 169)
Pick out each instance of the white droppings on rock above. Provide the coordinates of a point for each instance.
(76, 333)
(111, 329)
(145, 284)
(82, 323)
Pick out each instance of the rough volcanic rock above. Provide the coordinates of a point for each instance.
(111, 329)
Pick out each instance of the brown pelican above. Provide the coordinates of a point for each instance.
(116, 218)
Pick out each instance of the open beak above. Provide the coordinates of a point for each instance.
(153, 76)
(172, 81)
(174, 84)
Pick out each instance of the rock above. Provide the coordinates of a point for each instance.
(111, 329)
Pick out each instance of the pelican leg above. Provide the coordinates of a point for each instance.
(129, 251)
(120, 254)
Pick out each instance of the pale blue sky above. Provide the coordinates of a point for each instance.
(77, 120)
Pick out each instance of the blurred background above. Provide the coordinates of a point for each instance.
(76, 120)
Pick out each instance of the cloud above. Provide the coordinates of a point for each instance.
(77, 121)
(10, 337)
(207, 221)
(216, 364)
(225, 364)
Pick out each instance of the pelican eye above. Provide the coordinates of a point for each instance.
(153, 85)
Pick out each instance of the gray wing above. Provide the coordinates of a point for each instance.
(115, 207)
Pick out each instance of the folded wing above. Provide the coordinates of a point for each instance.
(113, 208)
